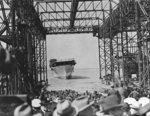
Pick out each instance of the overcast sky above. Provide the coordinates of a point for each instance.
(82, 47)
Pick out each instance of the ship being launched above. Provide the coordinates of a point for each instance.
(62, 68)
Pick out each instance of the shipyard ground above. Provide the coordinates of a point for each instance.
(82, 80)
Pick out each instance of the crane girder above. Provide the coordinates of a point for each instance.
(71, 14)
(74, 6)
(64, 0)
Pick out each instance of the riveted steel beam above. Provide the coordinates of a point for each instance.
(74, 6)
(63, 0)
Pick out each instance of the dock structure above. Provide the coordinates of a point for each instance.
(121, 26)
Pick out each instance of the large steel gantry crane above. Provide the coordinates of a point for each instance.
(122, 28)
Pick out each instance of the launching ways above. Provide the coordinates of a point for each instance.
(122, 28)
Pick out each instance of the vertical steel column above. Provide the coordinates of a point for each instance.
(111, 44)
(127, 51)
(34, 58)
(12, 76)
(104, 39)
(147, 45)
(122, 44)
(99, 52)
(118, 56)
(105, 58)
(100, 67)
(40, 58)
(43, 76)
(138, 29)
(45, 59)
(145, 68)
(13, 22)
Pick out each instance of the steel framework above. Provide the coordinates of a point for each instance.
(21, 29)
(71, 16)
(126, 30)
(122, 42)
(122, 28)
(77, 16)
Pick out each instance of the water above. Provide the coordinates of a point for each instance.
(82, 80)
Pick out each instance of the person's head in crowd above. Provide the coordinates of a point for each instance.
(23, 110)
(65, 108)
(112, 86)
(112, 105)
(69, 98)
(148, 113)
(144, 101)
(121, 85)
(126, 110)
(134, 108)
(116, 85)
(95, 108)
(8, 104)
(37, 107)
(42, 82)
(112, 90)
(36, 104)
(134, 105)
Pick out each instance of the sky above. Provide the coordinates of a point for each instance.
(82, 47)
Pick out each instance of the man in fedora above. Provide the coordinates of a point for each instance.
(65, 108)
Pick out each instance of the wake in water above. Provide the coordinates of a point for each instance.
(82, 80)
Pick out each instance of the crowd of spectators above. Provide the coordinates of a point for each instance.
(119, 100)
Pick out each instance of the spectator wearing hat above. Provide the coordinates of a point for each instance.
(112, 105)
(65, 108)
(134, 108)
(26, 111)
(144, 110)
(148, 113)
(144, 101)
(122, 91)
(112, 90)
(135, 94)
(96, 109)
(36, 106)
(134, 105)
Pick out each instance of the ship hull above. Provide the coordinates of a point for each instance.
(64, 71)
